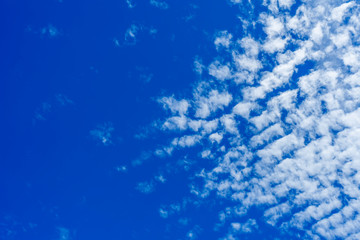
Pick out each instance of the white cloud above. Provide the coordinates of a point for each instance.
(103, 133)
(248, 63)
(244, 108)
(341, 39)
(167, 211)
(229, 123)
(131, 34)
(338, 13)
(317, 33)
(159, 4)
(223, 39)
(50, 31)
(63, 233)
(176, 122)
(160, 178)
(269, 133)
(351, 58)
(206, 154)
(180, 107)
(250, 46)
(286, 3)
(145, 187)
(294, 152)
(194, 232)
(275, 45)
(273, 26)
(216, 137)
(220, 72)
(198, 66)
(163, 213)
(130, 3)
(236, 1)
(63, 100)
(241, 228)
(122, 168)
(186, 141)
(213, 102)
(44, 110)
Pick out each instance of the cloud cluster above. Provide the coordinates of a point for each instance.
(103, 133)
(280, 116)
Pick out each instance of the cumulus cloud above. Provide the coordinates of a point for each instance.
(284, 127)
(219, 71)
(175, 106)
(223, 39)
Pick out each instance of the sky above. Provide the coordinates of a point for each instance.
(193, 119)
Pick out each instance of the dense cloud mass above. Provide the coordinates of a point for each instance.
(278, 112)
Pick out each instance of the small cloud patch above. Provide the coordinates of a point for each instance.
(103, 133)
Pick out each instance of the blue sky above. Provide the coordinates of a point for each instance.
(194, 119)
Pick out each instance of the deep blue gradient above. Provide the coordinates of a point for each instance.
(65, 69)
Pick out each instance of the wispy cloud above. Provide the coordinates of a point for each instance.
(12, 227)
(103, 133)
(159, 4)
(63, 233)
(44, 110)
(48, 31)
(132, 34)
(130, 3)
(146, 187)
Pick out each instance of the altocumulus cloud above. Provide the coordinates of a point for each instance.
(280, 115)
